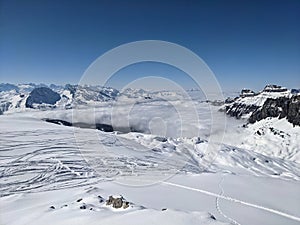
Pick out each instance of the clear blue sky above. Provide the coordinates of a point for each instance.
(245, 43)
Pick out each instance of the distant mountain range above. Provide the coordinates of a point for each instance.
(41, 96)
(272, 101)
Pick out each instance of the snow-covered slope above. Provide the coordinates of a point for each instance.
(157, 153)
(271, 137)
(48, 175)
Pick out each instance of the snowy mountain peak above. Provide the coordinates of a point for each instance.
(272, 101)
(42, 95)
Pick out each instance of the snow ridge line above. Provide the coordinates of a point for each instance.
(218, 205)
(235, 201)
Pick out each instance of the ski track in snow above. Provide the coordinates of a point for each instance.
(49, 159)
(235, 201)
(231, 220)
(45, 163)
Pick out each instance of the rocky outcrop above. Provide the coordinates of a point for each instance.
(282, 107)
(117, 202)
(272, 101)
(295, 91)
(274, 88)
(237, 110)
(42, 95)
(293, 114)
(4, 106)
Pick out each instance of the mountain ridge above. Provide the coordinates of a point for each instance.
(272, 101)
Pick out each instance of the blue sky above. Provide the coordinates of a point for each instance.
(245, 43)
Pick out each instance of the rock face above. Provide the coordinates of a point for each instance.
(4, 106)
(295, 91)
(272, 101)
(282, 107)
(42, 95)
(238, 110)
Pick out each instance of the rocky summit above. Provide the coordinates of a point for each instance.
(272, 101)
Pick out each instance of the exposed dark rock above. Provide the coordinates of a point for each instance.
(295, 91)
(99, 126)
(71, 88)
(229, 100)
(161, 139)
(42, 95)
(293, 114)
(282, 107)
(125, 205)
(197, 140)
(79, 200)
(156, 150)
(213, 217)
(52, 207)
(238, 110)
(4, 106)
(104, 94)
(118, 202)
(59, 122)
(104, 127)
(83, 207)
(100, 199)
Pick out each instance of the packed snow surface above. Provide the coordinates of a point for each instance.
(166, 166)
